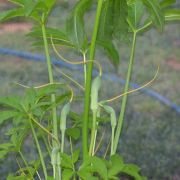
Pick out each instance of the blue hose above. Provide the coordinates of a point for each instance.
(107, 76)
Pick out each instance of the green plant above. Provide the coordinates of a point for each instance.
(36, 112)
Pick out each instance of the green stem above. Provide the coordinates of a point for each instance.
(88, 82)
(112, 141)
(26, 164)
(59, 176)
(50, 72)
(85, 68)
(62, 140)
(124, 99)
(39, 150)
(93, 135)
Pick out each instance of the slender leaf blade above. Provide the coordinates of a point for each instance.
(58, 37)
(120, 19)
(167, 3)
(135, 13)
(11, 14)
(106, 26)
(172, 15)
(75, 25)
(110, 50)
(5, 115)
(156, 13)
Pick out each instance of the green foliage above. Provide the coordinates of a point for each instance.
(167, 3)
(120, 17)
(73, 133)
(135, 13)
(110, 50)
(98, 168)
(75, 25)
(34, 113)
(37, 10)
(115, 12)
(172, 14)
(156, 14)
(56, 35)
(107, 15)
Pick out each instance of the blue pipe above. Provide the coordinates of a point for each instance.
(107, 76)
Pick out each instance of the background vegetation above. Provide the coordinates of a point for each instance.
(151, 136)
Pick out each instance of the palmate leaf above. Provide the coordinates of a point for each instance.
(93, 165)
(99, 167)
(75, 25)
(85, 174)
(66, 161)
(156, 13)
(116, 165)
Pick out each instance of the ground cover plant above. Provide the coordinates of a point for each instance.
(33, 112)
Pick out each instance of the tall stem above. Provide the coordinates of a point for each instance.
(53, 97)
(50, 72)
(39, 150)
(88, 82)
(124, 99)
